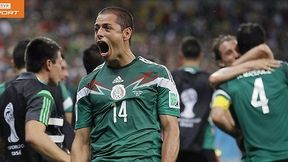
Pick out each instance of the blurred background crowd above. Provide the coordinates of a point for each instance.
(160, 25)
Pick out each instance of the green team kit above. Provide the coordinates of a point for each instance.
(123, 107)
(67, 99)
(259, 100)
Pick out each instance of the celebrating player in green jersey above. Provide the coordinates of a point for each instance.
(259, 99)
(123, 105)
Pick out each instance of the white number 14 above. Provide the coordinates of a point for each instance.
(259, 96)
(122, 112)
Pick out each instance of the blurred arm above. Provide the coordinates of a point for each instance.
(68, 117)
(222, 117)
(246, 63)
(36, 137)
(223, 120)
(260, 51)
(170, 147)
(228, 73)
(81, 146)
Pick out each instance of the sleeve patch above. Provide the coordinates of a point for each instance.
(174, 100)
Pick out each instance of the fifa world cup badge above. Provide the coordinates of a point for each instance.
(118, 92)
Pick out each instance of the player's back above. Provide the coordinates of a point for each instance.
(260, 103)
(195, 95)
(13, 107)
(192, 79)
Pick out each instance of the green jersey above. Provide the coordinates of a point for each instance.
(209, 137)
(2, 88)
(260, 100)
(122, 107)
(67, 99)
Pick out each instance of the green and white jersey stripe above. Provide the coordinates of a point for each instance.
(46, 106)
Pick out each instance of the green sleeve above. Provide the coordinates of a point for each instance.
(168, 97)
(83, 106)
(39, 107)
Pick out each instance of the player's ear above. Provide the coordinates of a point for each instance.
(127, 33)
(180, 59)
(48, 64)
(200, 57)
(12, 63)
(237, 49)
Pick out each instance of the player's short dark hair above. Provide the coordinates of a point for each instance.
(18, 54)
(249, 35)
(91, 58)
(217, 42)
(38, 51)
(190, 47)
(124, 17)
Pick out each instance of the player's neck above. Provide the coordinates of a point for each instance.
(123, 59)
(19, 71)
(191, 63)
(42, 78)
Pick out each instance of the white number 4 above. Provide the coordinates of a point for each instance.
(122, 112)
(259, 98)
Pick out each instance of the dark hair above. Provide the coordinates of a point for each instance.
(19, 54)
(91, 58)
(249, 35)
(190, 47)
(38, 51)
(218, 41)
(124, 17)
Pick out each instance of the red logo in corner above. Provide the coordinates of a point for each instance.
(11, 8)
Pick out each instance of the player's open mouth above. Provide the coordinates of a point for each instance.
(104, 48)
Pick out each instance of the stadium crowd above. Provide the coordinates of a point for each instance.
(162, 25)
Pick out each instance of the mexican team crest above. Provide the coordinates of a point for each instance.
(118, 92)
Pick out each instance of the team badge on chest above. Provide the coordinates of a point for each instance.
(118, 92)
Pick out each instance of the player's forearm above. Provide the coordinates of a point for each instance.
(68, 117)
(170, 147)
(80, 151)
(45, 146)
(260, 51)
(36, 137)
(228, 73)
(223, 120)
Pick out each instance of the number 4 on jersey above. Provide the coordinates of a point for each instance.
(259, 98)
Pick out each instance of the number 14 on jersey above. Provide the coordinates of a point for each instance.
(122, 113)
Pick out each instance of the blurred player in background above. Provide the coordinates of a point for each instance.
(226, 54)
(64, 109)
(196, 134)
(67, 101)
(17, 61)
(254, 96)
(27, 106)
(91, 58)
